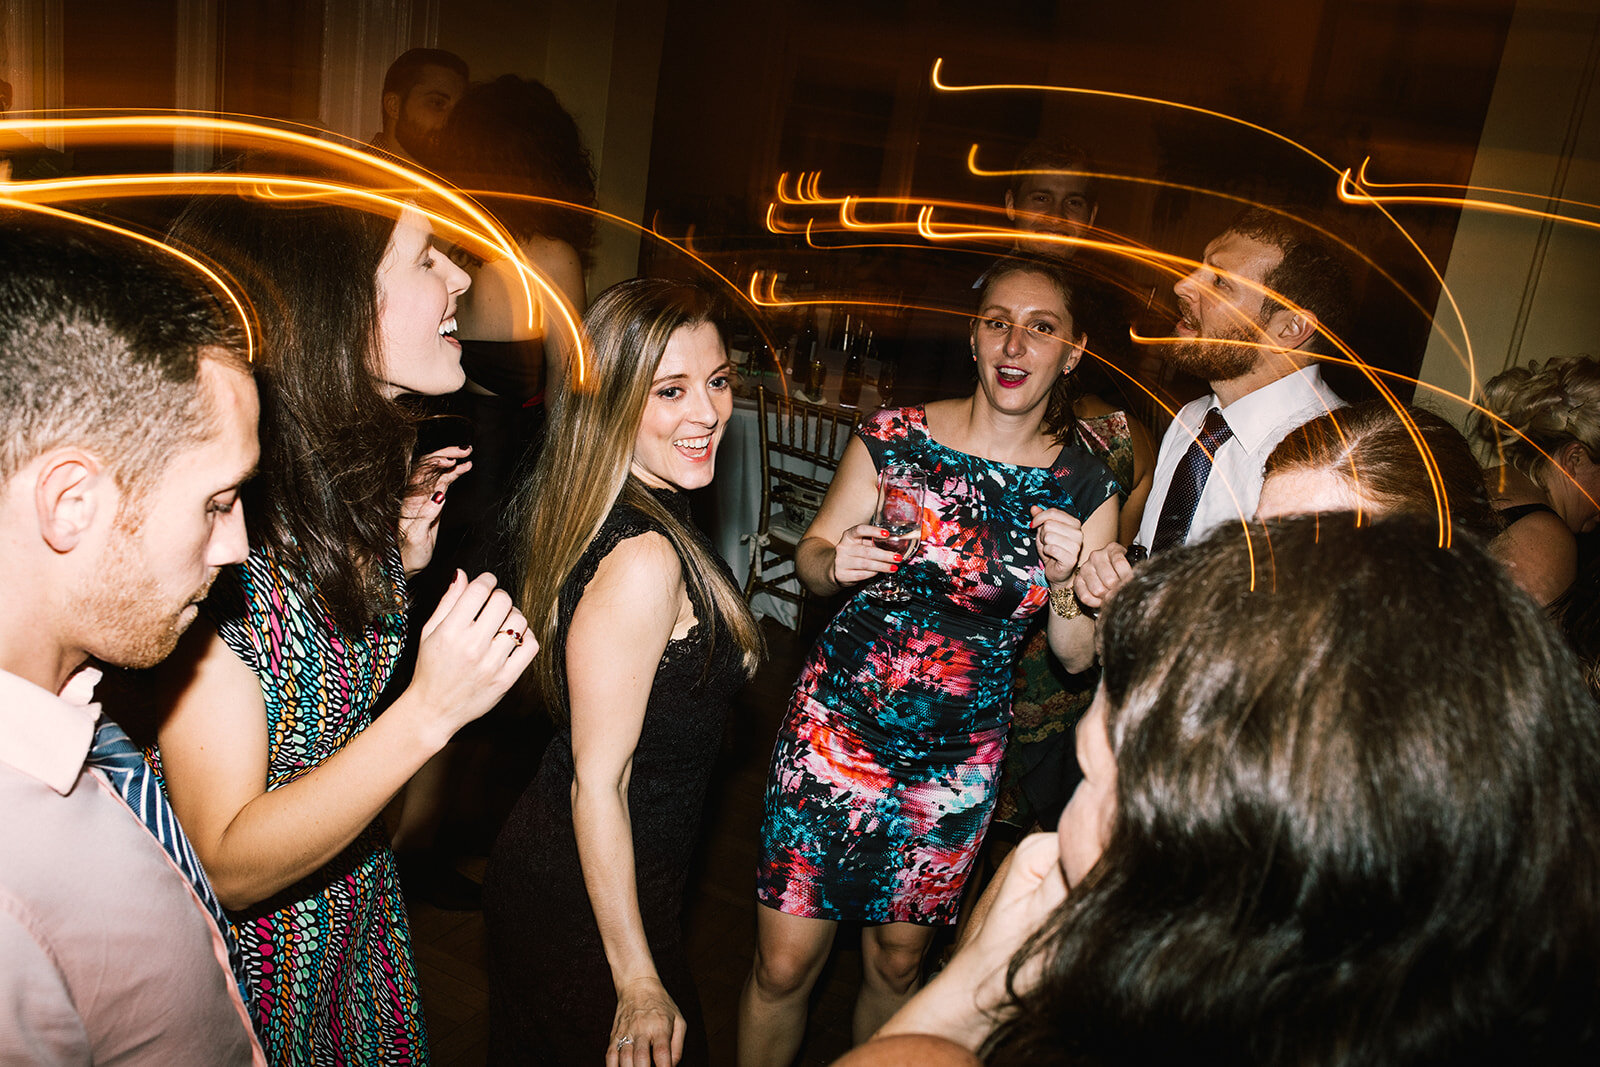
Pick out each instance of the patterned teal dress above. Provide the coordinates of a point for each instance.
(1041, 768)
(885, 769)
(328, 964)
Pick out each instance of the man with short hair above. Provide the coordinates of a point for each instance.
(419, 91)
(1052, 193)
(1053, 197)
(1253, 316)
(127, 425)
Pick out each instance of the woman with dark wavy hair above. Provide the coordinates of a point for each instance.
(271, 755)
(1341, 806)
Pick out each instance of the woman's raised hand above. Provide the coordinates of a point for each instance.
(475, 645)
(856, 557)
(424, 500)
(648, 1029)
(1060, 540)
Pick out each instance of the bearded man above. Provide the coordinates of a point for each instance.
(1254, 314)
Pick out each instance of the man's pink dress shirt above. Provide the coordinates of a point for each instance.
(107, 955)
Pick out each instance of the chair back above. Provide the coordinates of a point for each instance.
(801, 445)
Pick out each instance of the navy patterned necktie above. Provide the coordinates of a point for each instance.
(114, 753)
(1188, 482)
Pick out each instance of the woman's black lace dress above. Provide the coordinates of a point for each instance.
(551, 993)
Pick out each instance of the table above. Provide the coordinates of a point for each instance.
(736, 489)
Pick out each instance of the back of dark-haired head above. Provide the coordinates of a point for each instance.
(1358, 816)
(335, 452)
(1310, 276)
(406, 71)
(513, 136)
(1058, 155)
(101, 339)
(1088, 305)
(1391, 471)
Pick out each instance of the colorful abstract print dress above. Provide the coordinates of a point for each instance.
(885, 768)
(329, 971)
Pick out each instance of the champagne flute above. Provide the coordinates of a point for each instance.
(899, 514)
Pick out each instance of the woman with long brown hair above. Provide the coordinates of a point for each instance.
(1341, 806)
(271, 755)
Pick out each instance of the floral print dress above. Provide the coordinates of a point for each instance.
(884, 773)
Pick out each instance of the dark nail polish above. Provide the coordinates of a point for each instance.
(438, 497)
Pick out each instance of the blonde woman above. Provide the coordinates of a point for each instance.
(1544, 475)
(647, 640)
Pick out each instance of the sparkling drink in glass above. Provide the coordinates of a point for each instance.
(899, 514)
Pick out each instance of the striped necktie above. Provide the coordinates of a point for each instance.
(113, 752)
(1188, 482)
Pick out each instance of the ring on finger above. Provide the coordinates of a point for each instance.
(624, 1042)
(516, 635)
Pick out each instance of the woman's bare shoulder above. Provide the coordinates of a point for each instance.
(909, 1050)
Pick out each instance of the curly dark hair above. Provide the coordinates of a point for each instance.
(1358, 817)
(513, 136)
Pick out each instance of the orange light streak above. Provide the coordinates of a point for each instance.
(146, 126)
(939, 83)
(1545, 197)
(1347, 193)
(204, 269)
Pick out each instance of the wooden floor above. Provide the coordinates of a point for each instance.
(720, 906)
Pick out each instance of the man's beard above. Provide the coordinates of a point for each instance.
(1230, 355)
(125, 612)
(414, 139)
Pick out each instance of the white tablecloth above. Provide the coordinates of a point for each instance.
(737, 486)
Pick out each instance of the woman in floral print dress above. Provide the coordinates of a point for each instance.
(885, 769)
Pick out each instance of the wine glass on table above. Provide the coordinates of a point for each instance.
(899, 515)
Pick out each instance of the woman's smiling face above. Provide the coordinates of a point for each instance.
(691, 399)
(417, 291)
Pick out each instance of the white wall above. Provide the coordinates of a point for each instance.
(1528, 288)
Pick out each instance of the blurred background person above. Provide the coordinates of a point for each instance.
(419, 89)
(511, 143)
(647, 640)
(1544, 477)
(885, 770)
(270, 754)
(1371, 837)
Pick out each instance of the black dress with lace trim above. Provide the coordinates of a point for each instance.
(551, 994)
